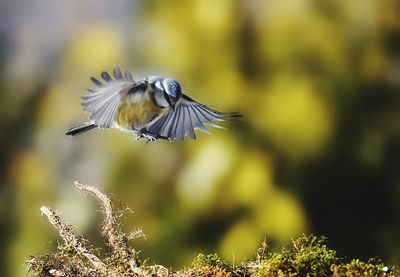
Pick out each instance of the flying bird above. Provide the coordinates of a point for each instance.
(153, 108)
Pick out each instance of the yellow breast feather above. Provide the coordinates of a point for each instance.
(137, 111)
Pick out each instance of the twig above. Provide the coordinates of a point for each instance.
(71, 239)
(116, 239)
(75, 257)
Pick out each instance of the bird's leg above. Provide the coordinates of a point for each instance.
(149, 138)
(143, 133)
(138, 134)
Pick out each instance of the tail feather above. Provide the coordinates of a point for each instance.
(80, 129)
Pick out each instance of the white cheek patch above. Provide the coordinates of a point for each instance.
(159, 86)
(165, 84)
(160, 100)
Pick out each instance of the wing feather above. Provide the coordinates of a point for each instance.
(206, 118)
(197, 124)
(103, 101)
(128, 76)
(188, 125)
(106, 77)
(118, 74)
(166, 126)
(172, 130)
(159, 124)
(188, 116)
(180, 133)
(96, 82)
(211, 114)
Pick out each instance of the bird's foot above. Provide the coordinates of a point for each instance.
(149, 138)
(143, 134)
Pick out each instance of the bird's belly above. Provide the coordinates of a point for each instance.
(135, 116)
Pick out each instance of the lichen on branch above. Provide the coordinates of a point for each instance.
(307, 256)
(75, 257)
(73, 241)
(111, 232)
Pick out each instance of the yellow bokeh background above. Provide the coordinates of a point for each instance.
(317, 83)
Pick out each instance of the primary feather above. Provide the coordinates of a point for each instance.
(103, 101)
(188, 116)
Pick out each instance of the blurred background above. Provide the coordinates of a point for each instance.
(318, 149)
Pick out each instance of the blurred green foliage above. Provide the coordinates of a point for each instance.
(317, 151)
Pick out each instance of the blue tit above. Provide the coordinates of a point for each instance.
(154, 108)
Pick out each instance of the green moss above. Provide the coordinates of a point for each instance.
(307, 256)
(310, 256)
(374, 267)
(212, 260)
(210, 265)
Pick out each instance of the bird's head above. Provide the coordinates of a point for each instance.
(171, 90)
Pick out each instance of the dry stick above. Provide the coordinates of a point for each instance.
(115, 239)
(77, 243)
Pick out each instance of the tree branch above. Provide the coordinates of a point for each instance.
(76, 242)
(112, 234)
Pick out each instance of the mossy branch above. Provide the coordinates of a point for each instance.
(307, 256)
(72, 240)
(114, 237)
(76, 258)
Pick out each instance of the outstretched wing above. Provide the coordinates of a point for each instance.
(188, 116)
(103, 101)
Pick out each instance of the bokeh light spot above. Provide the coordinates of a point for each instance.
(200, 177)
(253, 179)
(295, 116)
(281, 217)
(240, 241)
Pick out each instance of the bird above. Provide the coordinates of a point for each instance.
(154, 108)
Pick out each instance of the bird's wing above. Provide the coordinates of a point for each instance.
(188, 116)
(103, 101)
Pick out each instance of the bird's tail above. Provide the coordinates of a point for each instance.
(80, 129)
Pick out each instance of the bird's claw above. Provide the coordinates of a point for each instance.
(149, 138)
(144, 135)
